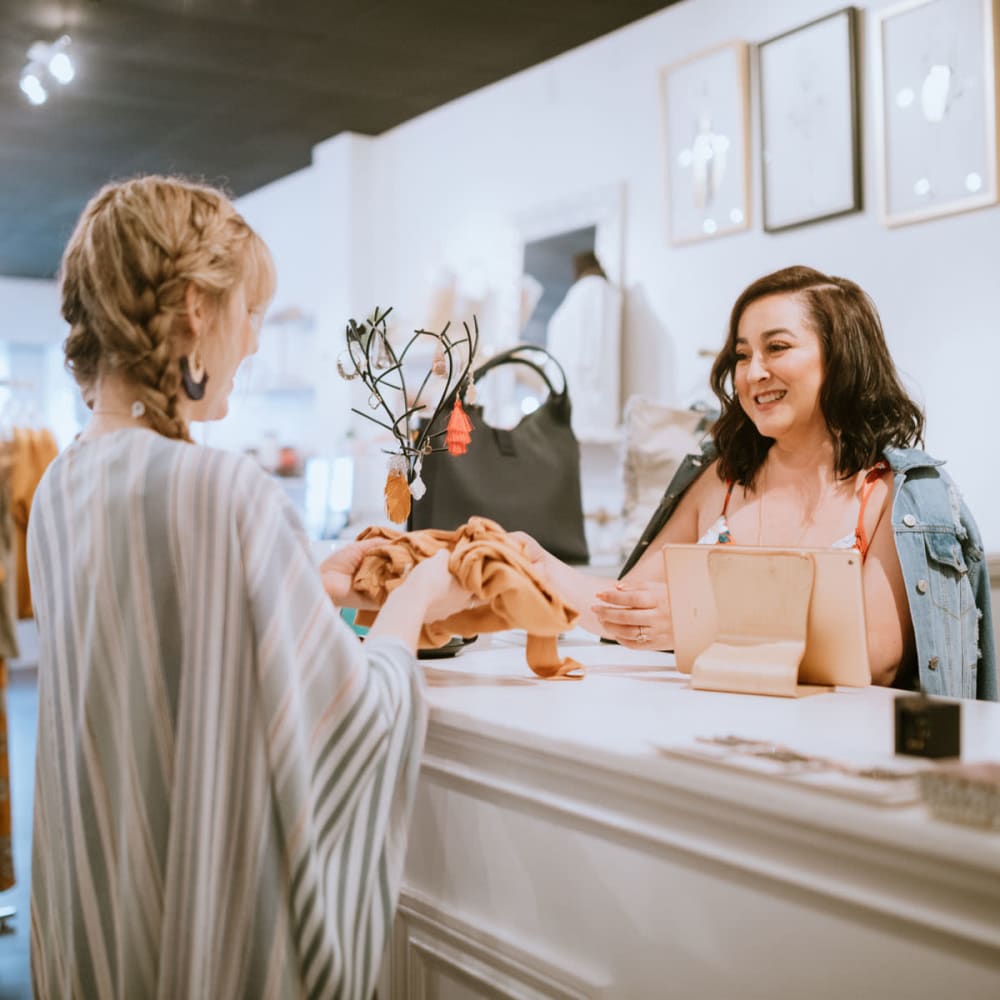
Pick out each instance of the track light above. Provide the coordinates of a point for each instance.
(46, 59)
(61, 67)
(31, 84)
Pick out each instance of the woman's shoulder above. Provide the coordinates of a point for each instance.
(909, 459)
(926, 494)
(705, 492)
(213, 478)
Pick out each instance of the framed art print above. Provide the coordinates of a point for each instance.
(810, 122)
(937, 104)
(705, 118)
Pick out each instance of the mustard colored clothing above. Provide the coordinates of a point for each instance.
(493, 568)
(31, 451)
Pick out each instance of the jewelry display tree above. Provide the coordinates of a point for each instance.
(412, 418)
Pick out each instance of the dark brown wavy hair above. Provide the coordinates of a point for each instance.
(865, 406)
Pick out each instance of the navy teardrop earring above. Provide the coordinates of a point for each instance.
(194, 378)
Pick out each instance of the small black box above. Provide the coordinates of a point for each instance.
(926, 727)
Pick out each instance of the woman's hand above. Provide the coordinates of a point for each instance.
(337, 572)
(533, 552)
(637, 616)
(428, 594)
(432, 578)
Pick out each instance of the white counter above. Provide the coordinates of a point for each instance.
(557, 851)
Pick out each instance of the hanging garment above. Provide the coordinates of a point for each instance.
(224, 773)
(31, 453)
(492, 567)
(584, 333)
(8, 650)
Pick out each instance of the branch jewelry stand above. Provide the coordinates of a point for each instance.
(370, 356)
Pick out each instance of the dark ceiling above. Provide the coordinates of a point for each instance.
(238, 91)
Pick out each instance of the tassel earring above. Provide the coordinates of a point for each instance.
(194, 378)
(397, 491)
(459, 431)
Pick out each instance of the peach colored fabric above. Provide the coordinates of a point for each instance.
(494, 569)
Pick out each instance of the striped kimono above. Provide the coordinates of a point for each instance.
(224, 774)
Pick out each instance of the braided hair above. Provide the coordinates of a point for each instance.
(136, 249)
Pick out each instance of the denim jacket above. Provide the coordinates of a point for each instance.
(944, 570)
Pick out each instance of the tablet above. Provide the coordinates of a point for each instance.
(836, 645)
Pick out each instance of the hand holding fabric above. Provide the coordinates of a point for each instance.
(536, 555)
(506, 591)
(434, 578)
(337, 572)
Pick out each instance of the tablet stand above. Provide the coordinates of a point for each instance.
(762, 612)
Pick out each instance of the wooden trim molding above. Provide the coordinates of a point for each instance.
(879, 863)
(429, 940)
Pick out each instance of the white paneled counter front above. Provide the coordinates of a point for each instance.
(557, 851)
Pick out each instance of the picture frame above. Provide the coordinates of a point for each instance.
(706, 128)
(936, 83)
(810, 122)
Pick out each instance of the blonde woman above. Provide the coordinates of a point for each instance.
(224, 775)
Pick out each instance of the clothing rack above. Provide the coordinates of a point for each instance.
(25, 451)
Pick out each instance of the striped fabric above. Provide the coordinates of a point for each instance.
(224, 775)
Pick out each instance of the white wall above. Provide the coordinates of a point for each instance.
(31, 355)
(449, 183)
(29, 308)
(373, 221)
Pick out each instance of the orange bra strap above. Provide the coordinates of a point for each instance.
(874, 475)
(729, 493)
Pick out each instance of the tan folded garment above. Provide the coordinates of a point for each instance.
(493, 568)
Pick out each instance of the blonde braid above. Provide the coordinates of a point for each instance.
(137, 248)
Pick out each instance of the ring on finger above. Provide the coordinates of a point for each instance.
(641, 635)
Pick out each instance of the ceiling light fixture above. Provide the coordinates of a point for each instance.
(46, 58)
(31, 84)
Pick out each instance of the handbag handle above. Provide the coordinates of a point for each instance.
(512, 356)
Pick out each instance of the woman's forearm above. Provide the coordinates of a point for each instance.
(402, 615)
(577, 589)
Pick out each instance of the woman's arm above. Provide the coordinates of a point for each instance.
(887, 611)
(617, 609)
(576, 588)
(428, 594)
(635, 611)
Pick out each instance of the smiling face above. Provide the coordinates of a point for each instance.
(779, 369)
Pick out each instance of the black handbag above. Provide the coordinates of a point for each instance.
(526, 478)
